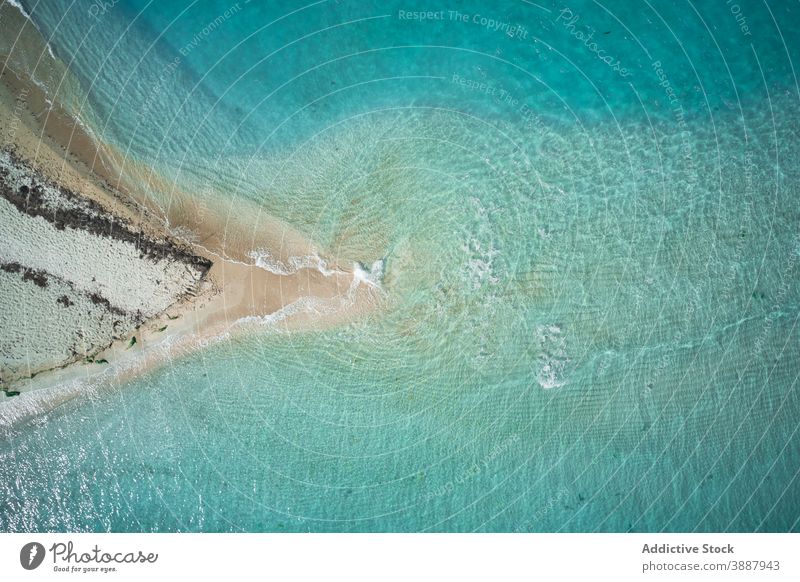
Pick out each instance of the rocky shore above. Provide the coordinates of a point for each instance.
(100, 280)
(74, 277)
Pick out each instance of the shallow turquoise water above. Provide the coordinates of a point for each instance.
(591, 288)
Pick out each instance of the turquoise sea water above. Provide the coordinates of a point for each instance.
(590, 280)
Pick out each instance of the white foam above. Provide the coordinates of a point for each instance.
(553, 359)
(19, 7)
(372, 278)
(264, 260)
(548, 376)
(480, 268)
(27, 16)
(302, 305)
(32, 404)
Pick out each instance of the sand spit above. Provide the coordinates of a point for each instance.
(98, 283)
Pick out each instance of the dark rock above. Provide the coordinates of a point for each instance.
(90, 216)
(65, 301)
(38, 277)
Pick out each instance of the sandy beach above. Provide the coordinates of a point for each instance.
(299, 286)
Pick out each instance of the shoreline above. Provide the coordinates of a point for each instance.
(236, 291)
